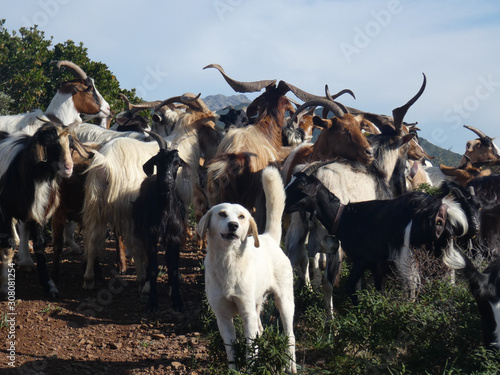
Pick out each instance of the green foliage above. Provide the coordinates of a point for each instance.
(437, 334)
(265, 355)
(30, 81)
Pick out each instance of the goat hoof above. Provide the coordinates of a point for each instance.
(88, 284)
(53, 292)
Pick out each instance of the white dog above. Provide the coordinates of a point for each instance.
(241, 270)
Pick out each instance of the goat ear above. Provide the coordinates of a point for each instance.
(41, 153)
(254, 232)
(440, 220)
(149, 166)
(203, 225)
(407, 138)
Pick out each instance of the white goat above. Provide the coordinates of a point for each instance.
(114, 179)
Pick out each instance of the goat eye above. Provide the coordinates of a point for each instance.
(300, 186)
(222, 214)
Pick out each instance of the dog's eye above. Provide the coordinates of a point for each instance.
(222, 214)
(241, 217)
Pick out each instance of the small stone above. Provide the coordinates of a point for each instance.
(115, 345)
(176, 365)
(157, 336)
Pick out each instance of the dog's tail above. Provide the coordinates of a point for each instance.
(275, 201)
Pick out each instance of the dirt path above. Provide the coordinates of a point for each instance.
(105, 331)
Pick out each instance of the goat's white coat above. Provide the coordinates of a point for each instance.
(239, 275)
(113, 182)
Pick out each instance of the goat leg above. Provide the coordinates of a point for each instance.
(151, 276)
(50, 288)
(172, 255)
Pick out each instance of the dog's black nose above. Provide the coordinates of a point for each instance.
(232, 226)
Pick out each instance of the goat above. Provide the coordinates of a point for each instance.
(482, 150)
(389, 228)
(485, 289)
(79, 96)
(464, 173)
(351, 182)
(72, 194)
(244, 152)
(341, 136)
(160, 216)
(115, 176)
(234, 118)
(30, 172)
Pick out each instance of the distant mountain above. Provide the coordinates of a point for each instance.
(217, 102)
(442, 156)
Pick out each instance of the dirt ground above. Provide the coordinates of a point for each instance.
(107, 330)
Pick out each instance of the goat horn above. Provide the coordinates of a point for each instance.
(239, 86)
(477, 131)
(313, 167)
(399, 113)
(161, 142)
(332, 106)
(340, 93)
(125, 99)
(72, 67)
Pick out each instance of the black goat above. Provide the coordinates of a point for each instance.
(485, 287)
(374, 233)
(487, 190)
(31, 168)
(160, 217)
(234, 118)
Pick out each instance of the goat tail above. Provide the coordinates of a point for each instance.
(275, 201)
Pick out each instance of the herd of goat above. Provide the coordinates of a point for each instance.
(350, 193)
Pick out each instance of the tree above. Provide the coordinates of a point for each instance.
(30, 81)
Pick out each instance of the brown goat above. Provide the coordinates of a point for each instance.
(465, 172)
(341, 136)
(244, 152)
(482, 150)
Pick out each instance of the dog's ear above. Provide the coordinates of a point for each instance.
(203, 225)
(252, 230)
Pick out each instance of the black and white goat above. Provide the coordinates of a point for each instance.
(74, 98)
(160, 217)
(485, 287)
(351, 182)
(31, 168)
(374, 233)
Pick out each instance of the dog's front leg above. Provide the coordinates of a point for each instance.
(228, 334)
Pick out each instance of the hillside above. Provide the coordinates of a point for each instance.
(442, 156)
(217, 102)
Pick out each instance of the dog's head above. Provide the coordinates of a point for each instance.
(228, 223)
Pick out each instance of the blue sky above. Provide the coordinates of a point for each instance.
(379, 49)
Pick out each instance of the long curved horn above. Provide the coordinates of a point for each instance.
(313, 167)
(399, 113)
(161, 142)
(195, 101)
(332, 106)
(477, 131)
(72, 67)
(125, 99)
(239, 86)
